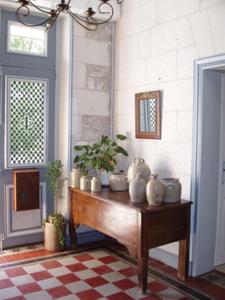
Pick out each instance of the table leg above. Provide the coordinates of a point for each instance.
(183, 259)
(142, 262)
(73, 234)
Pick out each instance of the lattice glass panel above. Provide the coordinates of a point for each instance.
(26, 122)
(148, 115)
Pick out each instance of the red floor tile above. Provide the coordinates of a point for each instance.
(68, 278)
(156, 287)
(102, 270)
(217, 292)
(125, 284)
(83, 257)
(51, 264)
(58, 292)
(5, 283)
(129, 272)
(29, 288)
(18, 271)
(41, 275)
(120, 296)
(96, 281)
(108, 259)
(89, 295)
(76, 267)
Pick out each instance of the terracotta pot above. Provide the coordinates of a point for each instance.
(51, 239)
(155, 191)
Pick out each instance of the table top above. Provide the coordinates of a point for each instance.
(123, 198)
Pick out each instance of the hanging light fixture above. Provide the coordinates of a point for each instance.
(88, 20)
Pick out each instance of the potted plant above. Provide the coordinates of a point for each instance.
(101, 155)
(54, 225)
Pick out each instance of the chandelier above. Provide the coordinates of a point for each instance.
(86, 20)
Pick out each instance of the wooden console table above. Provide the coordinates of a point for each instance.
(139, 227)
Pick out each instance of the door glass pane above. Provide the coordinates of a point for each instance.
(22, 39)
(26, 122)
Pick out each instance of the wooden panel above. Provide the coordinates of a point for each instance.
(25, 189)
(116, 221)
(167, 226)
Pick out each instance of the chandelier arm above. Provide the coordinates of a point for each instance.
(101, 12)
(48, 12)
(54, 18)
(83, 22)
(20, 18)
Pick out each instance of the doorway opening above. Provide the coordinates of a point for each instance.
(207, 164)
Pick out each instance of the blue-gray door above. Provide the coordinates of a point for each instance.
(27, 106)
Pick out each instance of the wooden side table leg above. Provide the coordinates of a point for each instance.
(143, 272)
(183, 259)
(73, 234)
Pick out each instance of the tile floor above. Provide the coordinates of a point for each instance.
(96, 274)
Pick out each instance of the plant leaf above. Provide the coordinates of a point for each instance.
(121, 137)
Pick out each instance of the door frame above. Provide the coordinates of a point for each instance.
(201, 241)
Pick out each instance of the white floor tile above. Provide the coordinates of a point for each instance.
(33, 268)
(98, 254)
(107, 289)
(9, 293)
(169, 294)
(92, 263)
(49, 283)
(68, 261)
(78, 286)
(38, 296)
(19, 280)
(85, 274)
(113, 276)
(118, 265)
(59, 271)
(3, 275)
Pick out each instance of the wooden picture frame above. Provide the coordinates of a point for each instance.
(148, 115)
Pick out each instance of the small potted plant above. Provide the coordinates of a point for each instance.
(101, 155)
(54, 225)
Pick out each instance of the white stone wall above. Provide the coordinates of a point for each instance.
(156, 44)
(92, 69)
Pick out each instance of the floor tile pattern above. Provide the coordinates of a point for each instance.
(86, 276)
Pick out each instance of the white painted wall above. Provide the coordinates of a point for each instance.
(156, 43)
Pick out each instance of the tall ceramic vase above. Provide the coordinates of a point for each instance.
(137, 189)
(155, 191)
(138, 166)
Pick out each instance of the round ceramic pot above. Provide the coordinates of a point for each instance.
(96, 185)
(138, 166)
(137, 187)
(51, 238)
(172, 190)
(155, 191)
(118, 182)
(75, 176)
(85, 183)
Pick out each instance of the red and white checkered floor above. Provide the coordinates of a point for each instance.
(87, 276)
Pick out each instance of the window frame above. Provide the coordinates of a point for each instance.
(8, 50)
(8, 78)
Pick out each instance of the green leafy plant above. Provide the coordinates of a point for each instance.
(101, 155)
(56, 180)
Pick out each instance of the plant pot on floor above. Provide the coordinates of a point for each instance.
(53, 240)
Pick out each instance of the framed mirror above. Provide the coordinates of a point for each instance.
(148, 115)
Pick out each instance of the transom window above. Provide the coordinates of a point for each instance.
(26, 40)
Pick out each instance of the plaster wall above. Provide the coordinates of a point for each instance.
(156, 42)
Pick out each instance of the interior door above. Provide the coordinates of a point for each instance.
(27, 141)
(220, 237)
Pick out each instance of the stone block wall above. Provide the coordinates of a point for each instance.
(92, 83)
(156, 43)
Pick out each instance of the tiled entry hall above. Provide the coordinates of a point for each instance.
(34, 273)
(96, 274)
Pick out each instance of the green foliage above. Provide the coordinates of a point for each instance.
(58, 221)
(54, 176)
(56, 180)
(100, 155)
